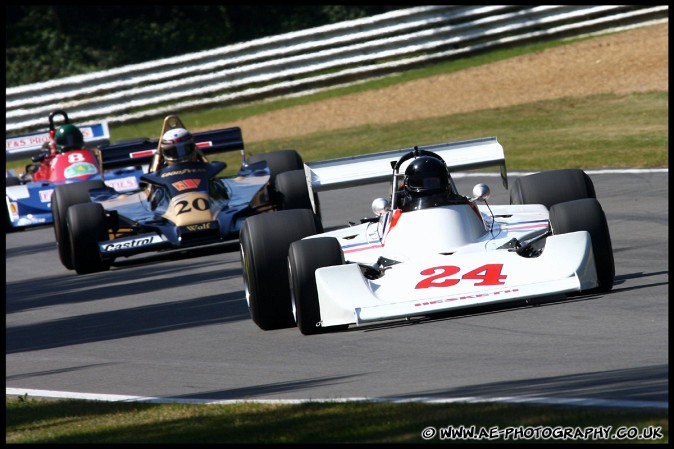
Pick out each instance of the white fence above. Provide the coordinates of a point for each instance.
(303, 61)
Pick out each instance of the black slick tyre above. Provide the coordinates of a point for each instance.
(279, 161)
(264, 242)
(86, 227)
(62, 198)
(552, 187)
(304, 258)
(293, 191)
(587, 215)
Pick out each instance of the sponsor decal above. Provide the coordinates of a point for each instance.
(35, 140)
(26, 141)
(126, 244)
(183, 172)
(80, 169)
(96, 131)
(459, 298)
(45, 195)
(200, 226)
(121, 184)
(87, 132)
(30, 220)
(186, 184)
(204, 144)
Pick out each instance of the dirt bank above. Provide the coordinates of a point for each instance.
(631, 61)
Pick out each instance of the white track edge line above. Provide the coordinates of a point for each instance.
(582, 402)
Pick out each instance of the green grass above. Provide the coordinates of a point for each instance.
(603, 131)
(590, 132)
(75, 421)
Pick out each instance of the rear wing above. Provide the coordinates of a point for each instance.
(26, 145)
(376, 167)
(140, 151)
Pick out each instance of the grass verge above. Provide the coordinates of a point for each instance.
(603, 131)
(76, 421)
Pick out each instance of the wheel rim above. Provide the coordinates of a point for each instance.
(292, 291)
(246, 288)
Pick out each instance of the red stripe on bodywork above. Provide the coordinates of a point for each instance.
(142, 153)
(362, 249)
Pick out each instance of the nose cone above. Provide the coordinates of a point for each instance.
(431, 231)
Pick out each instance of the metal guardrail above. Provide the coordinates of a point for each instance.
(307, 60)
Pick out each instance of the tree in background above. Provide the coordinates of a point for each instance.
(46, 42)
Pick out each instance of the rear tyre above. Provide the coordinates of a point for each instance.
(304, 258)
(12, 181)
(293, 191)
(552, 187)
(87, 226)
(62, 198)
(264, 241)
(587, 215)
(279, 161)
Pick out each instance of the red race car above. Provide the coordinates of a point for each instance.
(59, 157)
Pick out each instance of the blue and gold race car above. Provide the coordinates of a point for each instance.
(182, 201)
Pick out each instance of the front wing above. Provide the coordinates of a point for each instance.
(444, 283)
(165, 237)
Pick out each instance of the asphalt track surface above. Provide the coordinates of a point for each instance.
(177, 328)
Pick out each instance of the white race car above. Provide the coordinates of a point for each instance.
(428, 249)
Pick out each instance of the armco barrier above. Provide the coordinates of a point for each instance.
(303, 61)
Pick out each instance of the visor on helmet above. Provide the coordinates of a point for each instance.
(178, 151)
(429, 183)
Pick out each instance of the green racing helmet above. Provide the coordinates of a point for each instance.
(68, 137)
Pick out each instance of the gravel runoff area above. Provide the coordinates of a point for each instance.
(630, 61)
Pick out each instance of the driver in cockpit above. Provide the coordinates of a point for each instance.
(427, 183)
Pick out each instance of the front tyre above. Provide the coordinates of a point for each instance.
(264, 241)
(62, 198)
(304, 258)
(87, 226)
(587, 215)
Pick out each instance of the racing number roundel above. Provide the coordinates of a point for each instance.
(489, 274)
(189, 208)
(75, 157)
(186, 207)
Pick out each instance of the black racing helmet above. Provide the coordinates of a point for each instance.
(425, 176)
